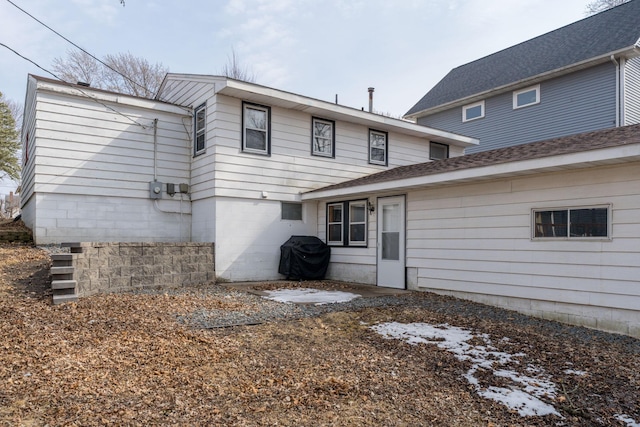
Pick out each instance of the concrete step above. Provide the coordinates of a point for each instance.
(74, 247)
(64, 258)
(62, 270)
(61, 299)
(63, 284)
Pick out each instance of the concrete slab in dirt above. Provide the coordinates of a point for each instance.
(364, 291)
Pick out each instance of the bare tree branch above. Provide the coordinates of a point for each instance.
(235, 70)
(598, 6)
(122, 72)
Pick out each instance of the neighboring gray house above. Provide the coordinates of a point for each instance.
(581, 77)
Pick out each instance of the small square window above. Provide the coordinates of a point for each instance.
(291, 211)
(199, 127)
(323, 137)
(473, 111)
(256, 132)
(377, 147)
(526, 97)
(438, 151)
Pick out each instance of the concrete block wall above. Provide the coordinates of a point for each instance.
(123, 266)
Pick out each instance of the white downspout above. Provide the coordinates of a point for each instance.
(623, 100)
(613, 59)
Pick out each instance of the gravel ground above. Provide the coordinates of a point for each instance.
(219, 356)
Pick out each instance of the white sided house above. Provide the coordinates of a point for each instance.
(210, 160)
(550, 228)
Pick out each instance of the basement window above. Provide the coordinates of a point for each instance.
(572, 223)
(291, 211)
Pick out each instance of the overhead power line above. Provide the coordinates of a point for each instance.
(72, 85)
(78, 47)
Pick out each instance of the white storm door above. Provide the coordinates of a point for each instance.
(391, 242)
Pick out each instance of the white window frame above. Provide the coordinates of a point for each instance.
(331, 137)
(535, 88)
(346, 223)
(385, 161)
(568, 225)
(353, 242)
(330, 223)
(266, 130)
(197, 132)
(470, 106)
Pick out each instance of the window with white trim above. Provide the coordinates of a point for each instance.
(323, 137)
(438, 151)
(347, 223)
(572, 223)
(526, 97)
(199, 130)
(335, 221)
(473, 111)
(256, 129)
(378, 151)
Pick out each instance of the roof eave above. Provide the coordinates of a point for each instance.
(610, 155)
(274, 97)
(628, 52)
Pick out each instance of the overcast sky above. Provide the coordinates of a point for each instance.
(310, 47)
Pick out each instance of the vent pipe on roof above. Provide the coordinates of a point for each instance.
(85, 84)
(371, 99)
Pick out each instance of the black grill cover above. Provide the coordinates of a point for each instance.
(303, 258)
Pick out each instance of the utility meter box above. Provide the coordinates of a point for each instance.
(155, 190)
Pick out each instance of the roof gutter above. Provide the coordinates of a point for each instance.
(609, 155)
(628, 52)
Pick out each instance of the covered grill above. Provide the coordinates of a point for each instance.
(304, 258)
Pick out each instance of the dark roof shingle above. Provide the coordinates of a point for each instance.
(600, 34)
(611, 137)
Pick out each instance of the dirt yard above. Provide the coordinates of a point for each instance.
(128, 360)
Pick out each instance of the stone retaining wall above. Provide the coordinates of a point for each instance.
(113, 267)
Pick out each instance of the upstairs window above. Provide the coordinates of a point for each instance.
(323, 137)
(377, 147)
(438, 151)
(473, 111)
(347, 223)
(572, 223)
(256, 129)
(526, 97)
(199, 126)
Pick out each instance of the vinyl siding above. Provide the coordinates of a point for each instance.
(91, 165)
(475, 241)
(632, 92)
(578, 102)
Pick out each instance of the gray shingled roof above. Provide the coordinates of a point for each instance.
(615, 29)
(611, 137)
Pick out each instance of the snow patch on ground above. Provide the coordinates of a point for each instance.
(630, 422)
(525, 391)
(305, 295)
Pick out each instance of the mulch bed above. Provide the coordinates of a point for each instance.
(126, 359)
